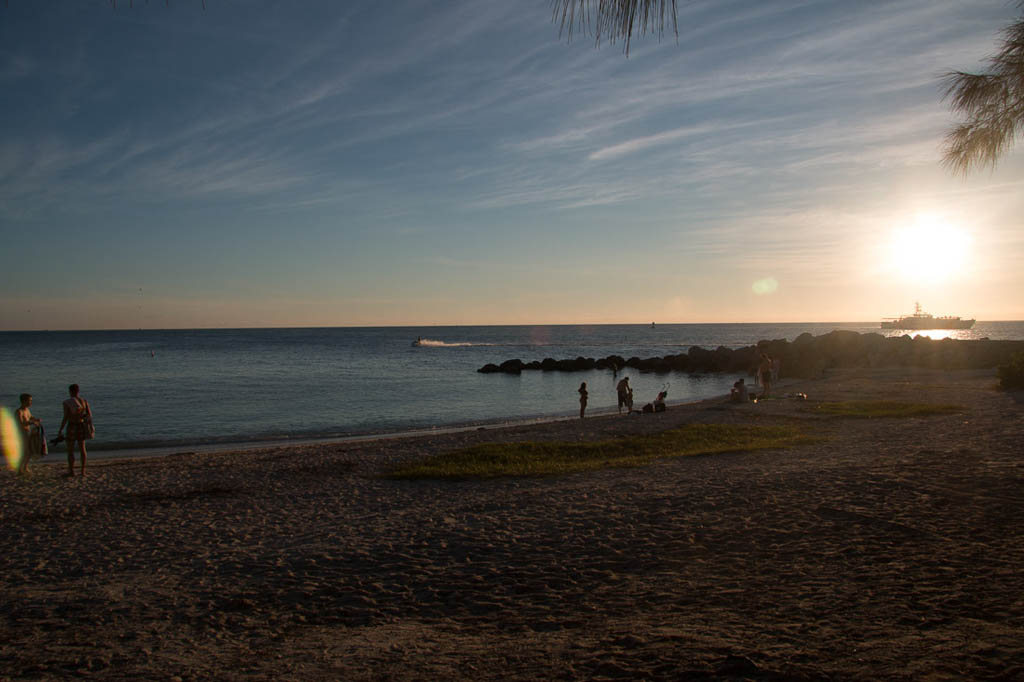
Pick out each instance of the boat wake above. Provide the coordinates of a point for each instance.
(433, 343)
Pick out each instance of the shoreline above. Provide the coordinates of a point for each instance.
(137, 419)
(887, 549)
(129, 452)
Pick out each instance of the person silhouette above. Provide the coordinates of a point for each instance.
(33, 441)
(78, 418)
(623, 391)
(764, 370)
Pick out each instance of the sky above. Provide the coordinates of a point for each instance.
(261, 163)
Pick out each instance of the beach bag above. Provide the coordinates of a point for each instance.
(35, 443)
(86, 428)
(87, 425)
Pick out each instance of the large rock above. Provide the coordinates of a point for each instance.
(806, 356)
(511, 366)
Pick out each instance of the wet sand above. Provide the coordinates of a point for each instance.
(889, 549)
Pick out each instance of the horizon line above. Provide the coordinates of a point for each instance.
(450, 325)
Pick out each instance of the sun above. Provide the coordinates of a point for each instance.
(930, 250)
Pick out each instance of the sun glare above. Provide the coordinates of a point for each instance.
(930, 250)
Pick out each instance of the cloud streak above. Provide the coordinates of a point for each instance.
(444, 128)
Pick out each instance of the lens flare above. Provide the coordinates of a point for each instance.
(10, 439)
(768, 285)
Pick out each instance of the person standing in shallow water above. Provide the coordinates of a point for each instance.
(583, 398)
(623, 390)
(78, 417)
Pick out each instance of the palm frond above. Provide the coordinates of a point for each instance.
(969, 92)
(614, 20)
(992, 104)
(970, 146)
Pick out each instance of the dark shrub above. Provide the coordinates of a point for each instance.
(1011, 375)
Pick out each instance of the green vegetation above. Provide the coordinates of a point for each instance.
(1011, 375)
(491, 460)
(865, 409)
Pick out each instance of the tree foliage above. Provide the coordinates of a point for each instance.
(615, 20)
(991, 102)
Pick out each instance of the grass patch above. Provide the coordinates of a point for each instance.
(865, 409)
(491, 460)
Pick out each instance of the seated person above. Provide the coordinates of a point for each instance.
(659, 402)
(739, 393)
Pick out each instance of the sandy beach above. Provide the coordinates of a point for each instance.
(888, 549)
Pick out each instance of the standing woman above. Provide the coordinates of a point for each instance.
(78, 417)
(765, 372)
(583, 398)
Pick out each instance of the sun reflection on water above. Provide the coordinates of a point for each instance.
(935, 334)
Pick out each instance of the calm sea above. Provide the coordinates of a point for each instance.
(191, 387)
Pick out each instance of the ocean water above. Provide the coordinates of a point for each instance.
(156, 388)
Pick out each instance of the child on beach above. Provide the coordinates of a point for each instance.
(33, 441)
(583, 398)
(739, 393)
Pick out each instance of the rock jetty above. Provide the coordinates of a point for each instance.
(806, 356)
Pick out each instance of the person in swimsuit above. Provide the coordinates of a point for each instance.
(583, 398)
(32, 442)
(78, 418)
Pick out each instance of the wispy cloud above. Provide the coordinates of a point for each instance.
(763, 124)
(641, 143)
